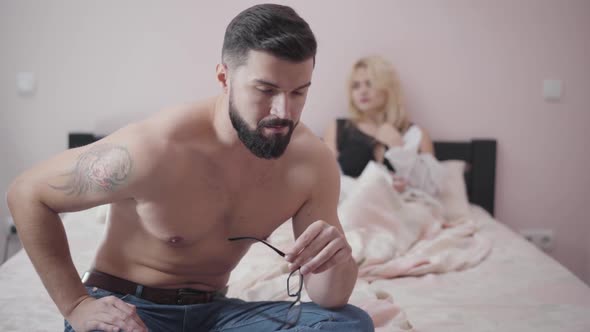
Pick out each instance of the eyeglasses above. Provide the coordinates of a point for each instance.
(294, 282)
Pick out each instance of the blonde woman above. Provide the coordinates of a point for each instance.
(378, 120)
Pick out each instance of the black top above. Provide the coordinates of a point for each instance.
(355, 148)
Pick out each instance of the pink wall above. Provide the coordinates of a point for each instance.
(469, 69)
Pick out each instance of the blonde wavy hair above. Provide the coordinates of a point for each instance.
(383, 77)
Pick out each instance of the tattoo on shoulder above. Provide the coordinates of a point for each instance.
(102, 168)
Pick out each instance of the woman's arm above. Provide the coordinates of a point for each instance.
(426, 145)
(330, 138)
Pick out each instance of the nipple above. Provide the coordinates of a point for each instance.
(175, 239)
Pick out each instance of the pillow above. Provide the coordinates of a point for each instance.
(453, 192)
(347, 185)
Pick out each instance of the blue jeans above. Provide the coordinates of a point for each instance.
(228, 314)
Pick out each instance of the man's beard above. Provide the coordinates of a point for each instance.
(267, 147)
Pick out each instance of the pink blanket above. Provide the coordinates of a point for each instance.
(395, 235)
(391, 234)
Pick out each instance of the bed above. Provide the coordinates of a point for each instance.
(512, 287)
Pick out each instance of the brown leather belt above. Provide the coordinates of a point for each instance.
(183, 296)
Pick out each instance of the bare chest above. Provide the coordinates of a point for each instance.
(201, 208)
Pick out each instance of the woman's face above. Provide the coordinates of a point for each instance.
(365, 96)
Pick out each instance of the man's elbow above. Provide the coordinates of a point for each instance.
(339, 296)
(19, 192)
(14, 193)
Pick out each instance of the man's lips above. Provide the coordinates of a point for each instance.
(276, 129)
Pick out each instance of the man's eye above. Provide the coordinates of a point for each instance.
(298, 93)
(267, 91)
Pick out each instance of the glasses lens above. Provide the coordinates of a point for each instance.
(294, 287)
(295, 283)
(293, 314)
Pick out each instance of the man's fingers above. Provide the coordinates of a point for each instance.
(320, 241)
(129, 313)
(304, 239)
(324, 256)
(128, 309)
(101, 326)
(135, 316)
(114, 317)
(340, 257)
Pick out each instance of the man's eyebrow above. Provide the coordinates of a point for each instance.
(304, 86)
(263, 82)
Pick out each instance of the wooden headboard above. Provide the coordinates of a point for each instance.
(480, 155)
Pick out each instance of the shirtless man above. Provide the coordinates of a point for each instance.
(182, 182)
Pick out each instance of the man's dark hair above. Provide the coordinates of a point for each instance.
(271, 28)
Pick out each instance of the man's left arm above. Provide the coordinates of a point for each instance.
(321, 249)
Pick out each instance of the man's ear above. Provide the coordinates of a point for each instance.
(222, 76)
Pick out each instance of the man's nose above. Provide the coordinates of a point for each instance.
(280, 106)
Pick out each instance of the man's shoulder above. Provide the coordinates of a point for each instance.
(183, 117)
(320, 173)
(174, 126)
(311, 149)
(304, 138)
(157, 135)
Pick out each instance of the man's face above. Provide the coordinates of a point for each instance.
(266, 97)
(259, 141)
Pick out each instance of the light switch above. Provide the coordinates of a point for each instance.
(26, 83)
(552, 90)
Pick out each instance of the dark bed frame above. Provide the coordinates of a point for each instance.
(480, 155)
(480, 177)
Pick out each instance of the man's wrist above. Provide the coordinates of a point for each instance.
(68, 309)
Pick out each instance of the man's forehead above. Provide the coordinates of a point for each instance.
(263, 67)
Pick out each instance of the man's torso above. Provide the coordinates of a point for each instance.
(173, 234)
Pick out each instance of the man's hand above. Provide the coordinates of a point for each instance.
(320, 247)
(108, 314)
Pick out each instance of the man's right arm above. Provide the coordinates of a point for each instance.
(103, 172)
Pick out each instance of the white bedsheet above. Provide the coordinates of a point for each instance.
(24, 303)
(516, 288)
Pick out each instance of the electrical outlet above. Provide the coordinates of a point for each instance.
(11, 225)
(541, 237)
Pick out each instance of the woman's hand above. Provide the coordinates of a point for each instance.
(399, 183)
